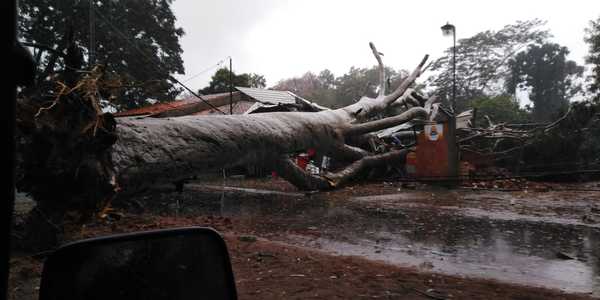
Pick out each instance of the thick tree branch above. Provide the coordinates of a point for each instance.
(290, 171)
(397, 157)
(347, 152)
(377, 55)
(368, 107)
(406, 116)
(406, 83)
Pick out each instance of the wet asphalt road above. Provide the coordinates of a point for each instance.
(530, 239)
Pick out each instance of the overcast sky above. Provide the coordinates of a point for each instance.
(281, 39)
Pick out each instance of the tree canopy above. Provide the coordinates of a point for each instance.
(592, 37)
(546, 74)
(334, 92)
(136, 41)
(220, 81)
(319, 88)
(482, 61)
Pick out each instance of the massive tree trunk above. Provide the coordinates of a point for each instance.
(76, 158)
(157, 149)
(150, 150)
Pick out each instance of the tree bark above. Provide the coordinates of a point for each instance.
(150, 150)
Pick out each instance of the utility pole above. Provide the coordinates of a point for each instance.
(230, 88)
(92, 47)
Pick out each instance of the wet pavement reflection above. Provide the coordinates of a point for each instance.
(441, 239)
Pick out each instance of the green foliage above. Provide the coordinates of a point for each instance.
(326, 79)
(319, 88)
(545, 72)
(592, 37)
(220, 82)
(257, 81)
(137, 41)
(359, 82)
(500, 109)
(481, 61)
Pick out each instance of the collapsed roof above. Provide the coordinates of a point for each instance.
(242, 101)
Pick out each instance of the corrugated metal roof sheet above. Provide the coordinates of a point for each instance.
(192, 105)
(239, 108)
(165, 106)
(152, 109)
(269, 96)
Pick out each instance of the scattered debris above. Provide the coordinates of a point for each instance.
(431, 293)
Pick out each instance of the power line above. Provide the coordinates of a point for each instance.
(206, 70)
(150, 60)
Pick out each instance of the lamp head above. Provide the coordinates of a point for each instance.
(448, 29)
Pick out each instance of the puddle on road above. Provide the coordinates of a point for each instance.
(434, 239)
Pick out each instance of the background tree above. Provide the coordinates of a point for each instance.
(136, 41)
(547, 75)
(500, 109)
(482, 61)
(358, 82)
(327, 79)
(219, 83)
(592, 37)
(335, 92)
(257, 81)
(319, 88)
(590, 147)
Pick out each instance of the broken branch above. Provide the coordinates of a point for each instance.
(406, 116)
(377, 55)
(406, 83)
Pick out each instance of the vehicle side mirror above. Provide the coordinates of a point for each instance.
(183, 263)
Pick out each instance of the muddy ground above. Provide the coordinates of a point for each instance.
(486, 240)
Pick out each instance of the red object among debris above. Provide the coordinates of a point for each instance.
(302, 161)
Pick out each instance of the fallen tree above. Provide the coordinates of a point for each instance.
(77, 159)
(565, 149)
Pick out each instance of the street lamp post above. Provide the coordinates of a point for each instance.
(447, 30)
(453, 154)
